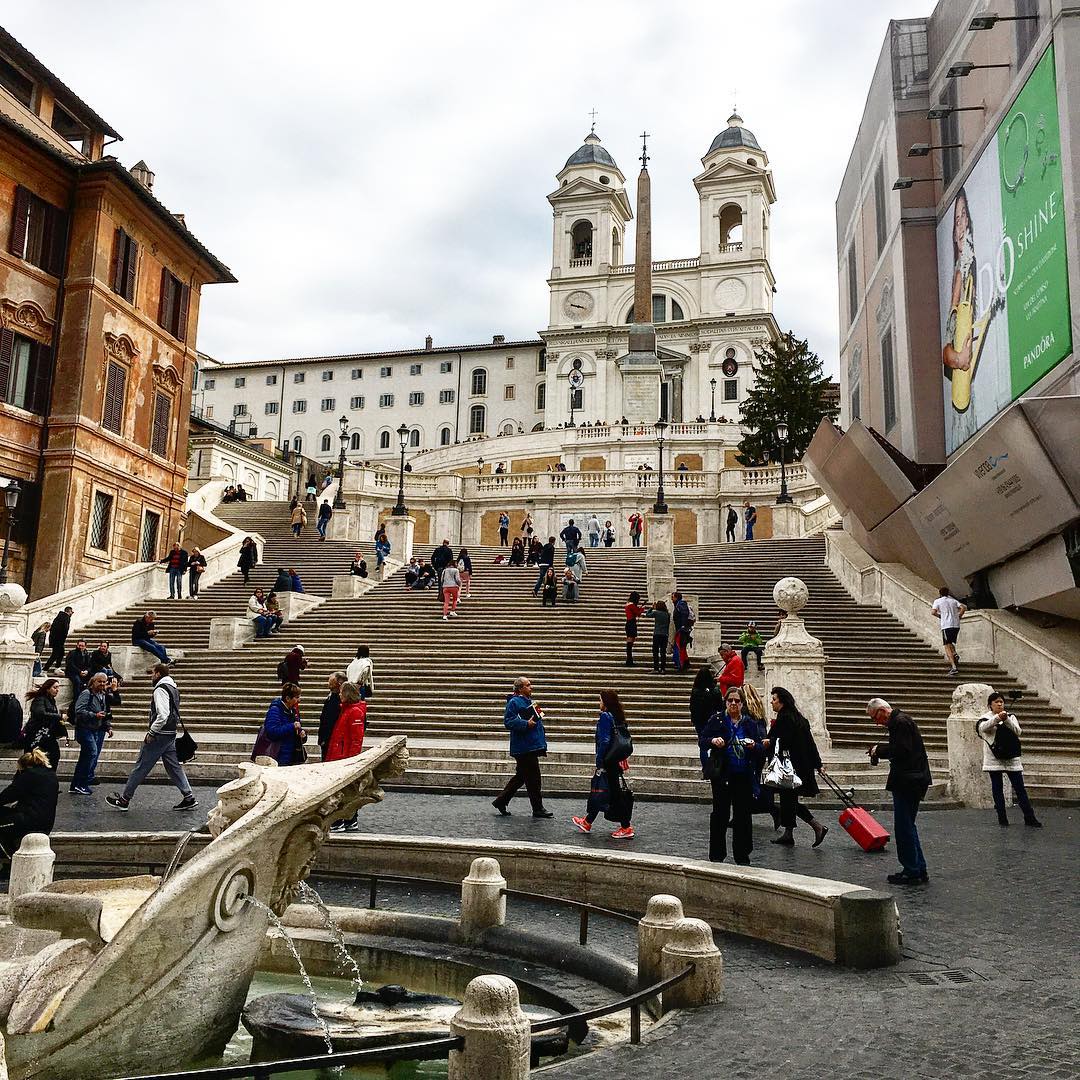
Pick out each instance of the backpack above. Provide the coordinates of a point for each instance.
(11, 719)
(1006, 744)
(283, 671)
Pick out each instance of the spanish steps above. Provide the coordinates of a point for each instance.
(443, 684)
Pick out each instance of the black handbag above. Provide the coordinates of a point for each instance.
(620, 747)
(620, 805)
(715, 767)
(185, 745)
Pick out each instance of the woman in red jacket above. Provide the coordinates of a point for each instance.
(347, 740)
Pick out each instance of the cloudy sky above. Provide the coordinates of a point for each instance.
(376, 172)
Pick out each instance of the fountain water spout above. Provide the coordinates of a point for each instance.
(347, 962)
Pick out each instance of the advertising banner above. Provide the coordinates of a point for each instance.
(1002, 272)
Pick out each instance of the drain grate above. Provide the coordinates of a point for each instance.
(952, 977)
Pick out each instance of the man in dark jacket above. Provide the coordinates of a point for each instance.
(544, 562)
(524, 719)
(571, 536)
(331, 710)
(58, 633)
(909, 779)
(175, 563)
(441, 558)
(143, 633)
(77, 668)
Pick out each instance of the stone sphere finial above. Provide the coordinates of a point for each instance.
(12, 597)
(791, 595)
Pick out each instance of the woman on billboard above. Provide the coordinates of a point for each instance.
(959, 330)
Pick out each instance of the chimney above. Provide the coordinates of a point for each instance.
(498, 339)
(141, 171)
(427, 343)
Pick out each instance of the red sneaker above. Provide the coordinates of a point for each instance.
(582, 825)
(623, 834)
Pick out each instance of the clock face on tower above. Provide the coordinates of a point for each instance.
(578, 305)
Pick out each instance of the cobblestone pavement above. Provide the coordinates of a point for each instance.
(1001, 905)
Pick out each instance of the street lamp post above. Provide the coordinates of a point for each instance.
(11, 501)
(400, 509)
(479, 466)
(712, 407)
(339, 498)
(781, 437)
(660, 507)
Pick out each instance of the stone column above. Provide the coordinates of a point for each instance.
(795, 659)
(967, 781)
(495, 1030)
(31, 865)
(399, 531)
(662, 913)
(483, 902)
(16, 650)
(692, 943)
(660, 556)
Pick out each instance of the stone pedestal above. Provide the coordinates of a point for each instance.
(795, 659)
(967, 781)
(660, 557)
(655, 928)
(131, 661)
(483, 902)
(230, 632)
(496, 1032)
(16, 650)
(786, 520)
(293, 604)
(399, 531)
(31, 865)
(344, 525)
(350, 586)
(692, 943)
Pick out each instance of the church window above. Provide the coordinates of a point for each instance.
(605, 179)
(676, 311)
(324, 444)
(581, 240)
(616, 248)
(479, 381)
(664, 309)
(508, 393)
(444, 437)
(507, 428)
(730, 225)
(541, 397)
(414, 437)
(577, 399)
(477, 420)
(731, 389)
(355, 441)
(384, 440)
(659, 305)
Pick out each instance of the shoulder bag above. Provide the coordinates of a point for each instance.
(1006, 744)
(780, 773)
(620, 747)
(185, 745)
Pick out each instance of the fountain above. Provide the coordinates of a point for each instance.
(142, 974)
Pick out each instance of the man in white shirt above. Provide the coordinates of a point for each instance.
(949, 611)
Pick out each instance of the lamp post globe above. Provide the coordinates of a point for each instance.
(400, 509)
(660, 507)
(781, 438)
(11, 502)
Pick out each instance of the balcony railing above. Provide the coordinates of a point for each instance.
(664, 264)
(587, 261)
(640, 431)
(730, 249)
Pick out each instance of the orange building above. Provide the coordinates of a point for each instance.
(99, 303)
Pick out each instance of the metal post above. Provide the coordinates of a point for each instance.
(571, 424)
(583, 930)
(712, 407)
(783, 497)
(635, 1025)
(400, 510)
(339, 498)
(660, 507)
(7, 547)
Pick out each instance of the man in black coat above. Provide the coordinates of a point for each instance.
(77, 668)
(58, 632)
(441, 558)
(909, 780)
(571, 536)
(545, 561)
(331, 710)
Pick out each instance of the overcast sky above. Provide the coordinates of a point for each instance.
(376, 172)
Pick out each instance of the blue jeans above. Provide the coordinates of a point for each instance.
(594, 540)
(176, 584)
(320, 526)
(155, 648)
(89, 749)
(908, 848)
(263, 625)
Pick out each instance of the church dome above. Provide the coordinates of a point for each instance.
(591, 153)
(734, 136)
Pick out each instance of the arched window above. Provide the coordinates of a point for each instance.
(664, 309)
(414, 437)
(676, 311)
(507, 428)
(479, 381)
(324, 444)
(616, 248)
(297, 443)
(384, 440)
(356, 441)
(541, 397)
(444, 437)
(477, 420)
(581, 240)
(731, 225)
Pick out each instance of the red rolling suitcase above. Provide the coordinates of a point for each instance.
(858, 823)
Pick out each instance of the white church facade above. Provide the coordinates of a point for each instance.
(709, 310)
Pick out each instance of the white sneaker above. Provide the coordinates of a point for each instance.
(454, 613)
(445, 619)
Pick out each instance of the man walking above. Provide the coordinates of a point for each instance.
(909, 780)
(91, 717)
(570, 536)
(175, 564)
(523, 718)
(58, 633)
(544, 562)
(594, 531)
(731, 524)
(159, 744)
(441, 558)
(750, 517)
(326, 512)
(949, 611)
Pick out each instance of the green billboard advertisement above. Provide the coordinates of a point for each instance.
(1002, 272)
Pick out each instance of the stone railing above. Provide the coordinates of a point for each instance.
(611, 480)
(769, 476)
(388, 481)
(663, 264)
(645, 431)
(730, 249)
(574, 263)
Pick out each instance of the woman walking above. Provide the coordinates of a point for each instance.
(661, 632)
(450, 582)
(464, 565)
(298, 519)
(45, 729)
(791, 732)
(612, 738)
(1000, 733)
(34, 791)
(634, 610)
(731, 740)
(196, 566)
(249, 556)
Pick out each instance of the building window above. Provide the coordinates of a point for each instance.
(444, 437)
(581, 240)
(616, 248)
(508, 393)
(356, 402)
(173, 305)
(950, 134)
(25, 371)
(299, 376)
(297, 443)
(384, 372)
(509, 363)
(327, 376)
(414, 438)
(299, 406)
(328, 404)
(324, 444)
(445, 367)
(148, 541)
(159, 433)
(38, 232)
(477, 420)
(208, 412)
(888, 381)
(209, 384)
(239, 382)
(852, 283)
(101, 521)
(446, 397)
(416, 397)
(577, 399)
(1027, 30)
(125, 264)
(541, 361)
(355, 441)
(386, 401)
(880, 206)
(239, 410)
(384, 440)
(664, 309)
(112, 411)
(416, 369)
(271, 380)
(271, 408)
(541, 397)
(479, 382)
(731, 389)
(357, 373)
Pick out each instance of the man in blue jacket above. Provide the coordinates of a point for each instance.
(571, 537)
(523, 718)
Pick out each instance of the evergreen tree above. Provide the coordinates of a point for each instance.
(791, 386)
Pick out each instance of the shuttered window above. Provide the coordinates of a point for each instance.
(125, 263)
(112, 412)
(101, 521)
(148, 542)
(173, 305)
(25, 372)
(159, 436)
(38, 232)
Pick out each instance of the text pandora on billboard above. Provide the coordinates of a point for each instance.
(1002, 271)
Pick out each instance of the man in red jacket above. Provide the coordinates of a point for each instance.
(734, 673)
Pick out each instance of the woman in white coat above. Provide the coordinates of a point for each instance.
(988, 726)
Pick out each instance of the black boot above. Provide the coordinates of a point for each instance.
(1002, 818)
(1033, 822)
(629, 655)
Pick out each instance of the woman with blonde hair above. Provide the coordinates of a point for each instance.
(765, 798)
(33, 791)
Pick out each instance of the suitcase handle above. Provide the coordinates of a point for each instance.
(846, 797)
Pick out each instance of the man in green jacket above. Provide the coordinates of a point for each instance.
(751, 642)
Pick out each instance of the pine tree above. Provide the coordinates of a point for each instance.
(791, 386)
